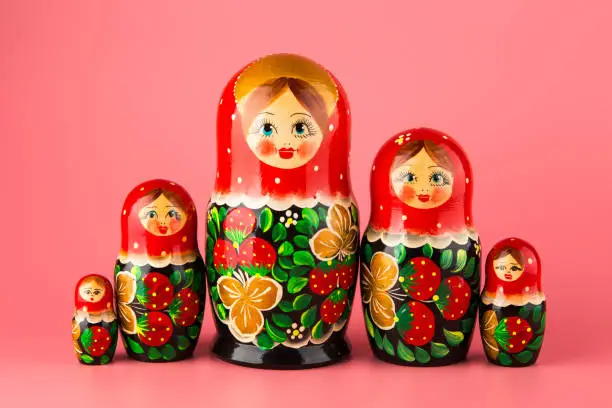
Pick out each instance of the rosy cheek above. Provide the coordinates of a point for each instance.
(175, 225)
(266, 148)
(152, 225)
(407, 193)
(307, 149)
(438, 194)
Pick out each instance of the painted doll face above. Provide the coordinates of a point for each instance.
(421, 183)
(92, 291)
(284, 134)
(162, 217)
(507, 268)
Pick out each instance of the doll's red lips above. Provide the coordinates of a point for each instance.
(423, 197)
(163, 230)
(286, 152)
(508, 276)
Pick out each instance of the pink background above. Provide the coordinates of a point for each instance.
(96, 96)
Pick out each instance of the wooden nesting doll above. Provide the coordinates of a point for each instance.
(159, 285)
(282, 221)
(420, 254)
(94, 324)
(513, 307)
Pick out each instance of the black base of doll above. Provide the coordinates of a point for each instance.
(535, 315)
(451, 359)
(143, 357)
(336, 349)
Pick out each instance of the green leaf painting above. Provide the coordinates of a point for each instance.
(265, 219)
(135, 347)
(405, 353)
(302, 301)
(461, 260)
(446, 259)
(388, 347)
(439, 350)
(428, 250)
(309, 317)
(279, 232)
(296, 284)
(421, 355)
(311, 216)
(303, 258)
(453, 338)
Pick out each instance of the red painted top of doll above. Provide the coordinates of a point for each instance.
(282, 135)
(421, 183)
(158, 225)
(93, 295)
(513, 274)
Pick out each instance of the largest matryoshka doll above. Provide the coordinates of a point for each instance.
(282, 222)
(420, 253)
(159, 273)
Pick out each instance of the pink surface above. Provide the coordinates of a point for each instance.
(97, 96)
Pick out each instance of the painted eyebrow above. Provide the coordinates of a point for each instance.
(268, 113)
(301, 113)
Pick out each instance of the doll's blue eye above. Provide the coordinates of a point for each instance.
(151, 214)
(267, 129)
(300, 129)
(439, 179)
(410, 177)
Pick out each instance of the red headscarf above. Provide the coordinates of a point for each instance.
(241, 172)
(140, 246)
(104, 304)
(390, 214)
(528, 285)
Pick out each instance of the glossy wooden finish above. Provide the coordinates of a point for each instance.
(94, 324)
(513, 306)
(159, 282)
(282, 232)
(420, 255)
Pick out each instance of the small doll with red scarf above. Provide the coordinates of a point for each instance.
(282, 222)
(94, 325)
(513, 307)
(420, 253)
(159, 285)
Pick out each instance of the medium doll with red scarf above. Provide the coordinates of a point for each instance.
(420, 254)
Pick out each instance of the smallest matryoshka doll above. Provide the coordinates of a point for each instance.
(94, 324)
(513, 307)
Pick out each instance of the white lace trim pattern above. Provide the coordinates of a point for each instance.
(417, 241)
(256, 202)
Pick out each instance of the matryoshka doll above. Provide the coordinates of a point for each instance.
(94, 324)
(420, 254)
(282, 221)
(159, 285)
(513, 307)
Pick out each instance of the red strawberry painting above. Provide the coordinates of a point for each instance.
(96, 341)
(513, 334)
(453, 298)
(256, 256)
(420, 278)
(346, 274)
(333, 307)
(225, 257)
(155, 329)
(323, 279)
(155, 291)
(238, 224)
(416, 323)
(184, 308)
